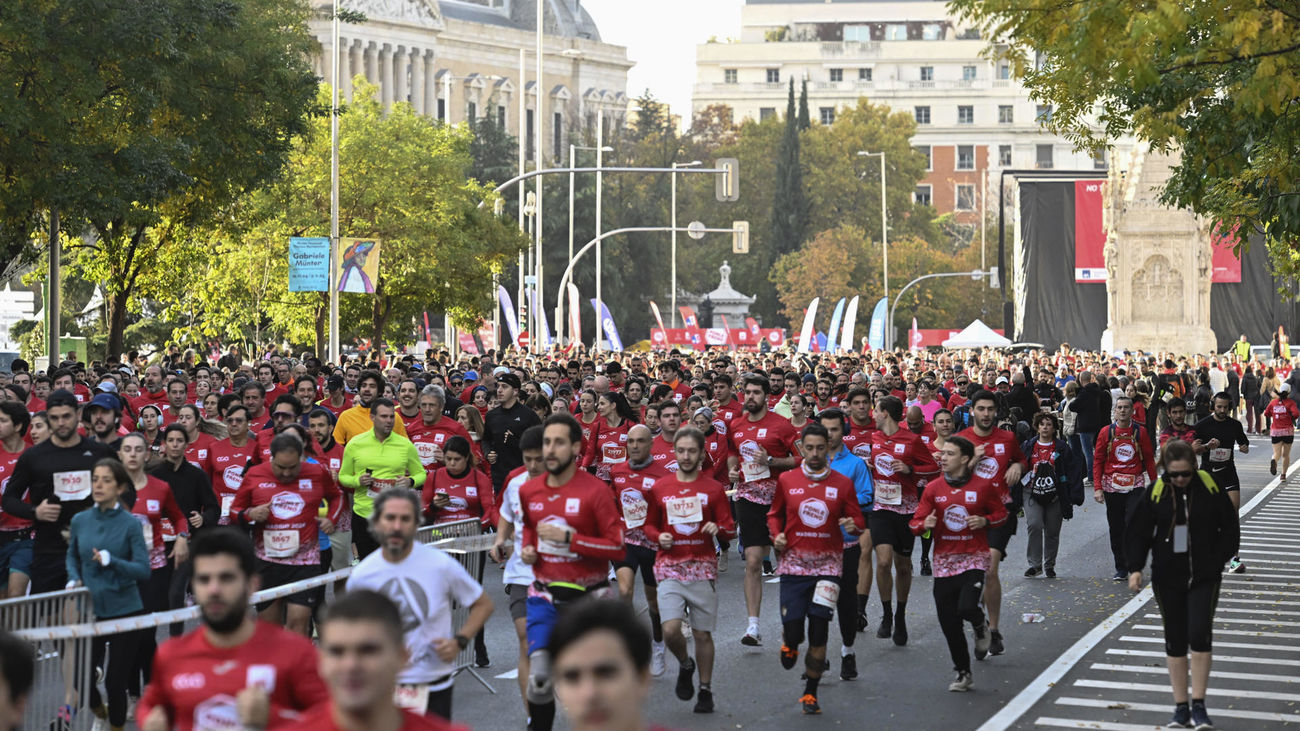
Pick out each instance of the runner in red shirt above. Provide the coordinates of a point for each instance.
(608, 446)
(1284, 414)
(199, 444)
(810, 508)
(661, 449)
(228, 458)
(430, 432)
(361, 654)
(280, 501)
(726, 408)
(957, 509)
(571, 532)
(861, 425)
(632, 480)
(686, 512)
(15, 532)
(762, 447)
(900, 463)
(999, 460)
(458, 491)
(1178, 428)
(336, 400)
(234, 671)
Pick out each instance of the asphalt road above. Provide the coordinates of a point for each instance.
(898, 687)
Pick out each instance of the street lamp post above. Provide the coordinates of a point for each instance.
(334, 351)
(559, 326)
(676, 166)
(884, 237)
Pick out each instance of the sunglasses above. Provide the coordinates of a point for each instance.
(1181, 475)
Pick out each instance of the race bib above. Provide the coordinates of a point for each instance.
(1123, 483)
(826, 593)
(280, 543)
(148, 531)
(613, 454)
(752, 466)
(634, 508)
(682, 510)
(72, 485)
(414, 698)
(378, 486)
(427, 454)
(226, 502)
(1220, 455)
(889, 493)
(551, 548)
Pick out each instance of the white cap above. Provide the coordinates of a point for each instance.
(1285, 388)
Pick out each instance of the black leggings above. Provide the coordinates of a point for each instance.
(154, 592)
(1118, 507)
(957, 599)
(1188, 615)
(361, 538)
(847, 605)
(819, 632)
(121, 664)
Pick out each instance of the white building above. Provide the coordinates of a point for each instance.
(460, 59)
(973, 119)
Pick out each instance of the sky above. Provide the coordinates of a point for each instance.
(661, 36)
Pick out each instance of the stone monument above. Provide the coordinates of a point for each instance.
(1158, 262)
(727, 302)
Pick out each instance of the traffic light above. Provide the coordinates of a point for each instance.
(740, 237)
(727, 185)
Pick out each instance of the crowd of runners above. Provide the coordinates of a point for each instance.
(157, 484)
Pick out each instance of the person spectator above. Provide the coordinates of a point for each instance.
(1092, 407)
(502, 428)
(1250, 391)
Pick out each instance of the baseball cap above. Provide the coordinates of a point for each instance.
(334, 383)
(105, 401)
(470, 376)
(509, 379)
(1001, 380)
(1285, 388)
(499, 370)
(107, 387)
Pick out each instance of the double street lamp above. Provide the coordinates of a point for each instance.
(676, 166)
(884, 237)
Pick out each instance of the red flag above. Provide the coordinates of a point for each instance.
(727, 328)
(688, 317)
(663, 333)
(467, 344)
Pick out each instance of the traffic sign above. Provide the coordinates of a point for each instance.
(523, 339)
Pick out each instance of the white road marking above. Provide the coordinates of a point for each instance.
(1261, 677)
(1163, 689)
(1217, 657)
(1157, 708)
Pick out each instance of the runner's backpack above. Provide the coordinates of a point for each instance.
(1042, 485)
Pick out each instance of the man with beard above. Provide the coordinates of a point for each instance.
(572, 530)
(356, 420)
(104, 415)
(423, 581)
(152, 392)
(632, 480)
(233, 671)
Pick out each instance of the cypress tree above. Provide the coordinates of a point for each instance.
(804, 121)
(789, 221)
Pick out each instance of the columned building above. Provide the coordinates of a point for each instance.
(459, 60)
(973, 120)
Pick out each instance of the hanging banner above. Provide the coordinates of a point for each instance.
(754, 330)
(544, 330)
(876, 333)
(661, 339)
(727, 328)
(1227, 267)
(575, 316)
(488, 337)
(832, 337)
(358, 268)
(850, 322)
(612, 339)
(1089, 234)
(914, 337)
(508, 307)
(428, 334)
(309, 264)
(688, 317)
(806, 332)
(467, 344)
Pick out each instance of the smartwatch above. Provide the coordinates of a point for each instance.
(462, 640)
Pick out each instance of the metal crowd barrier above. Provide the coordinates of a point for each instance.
(61, 625)
(63, 665)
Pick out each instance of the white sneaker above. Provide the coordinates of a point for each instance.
(657, 659)
(722, 561)
(752, 638)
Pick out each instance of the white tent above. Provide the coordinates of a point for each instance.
(976, 335)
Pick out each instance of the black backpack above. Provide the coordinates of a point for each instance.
(1042, 485)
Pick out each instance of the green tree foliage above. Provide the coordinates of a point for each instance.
(790, 209)
(404, 179)
(805, 121)
(1217, 80)
(136, 117)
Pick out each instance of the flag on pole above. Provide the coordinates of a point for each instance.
(467, 344)
(850, 322)
(806, 332)
(914, 337)
(876, 334)
(727, 328)
(486, 335)
(575, 316)
(508, 307)
(544, 330)
(688, 317)
(834, 333)
(755, 331)
(659, 319)
(607, 324)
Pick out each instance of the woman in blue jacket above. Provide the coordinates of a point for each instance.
(1052, 486)
(107, 555)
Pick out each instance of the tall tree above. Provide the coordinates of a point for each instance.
(805, 121)
(789, 218)
(1219, 81)
(133, 118)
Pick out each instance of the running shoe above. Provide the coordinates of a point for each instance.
(704, 704)
(685, 686)
(752, 638)
(657, 667)
(1119, 576)
(1236, 566)
(1050, 573)
(963, 682)
(863, 622)
(722, 561)
(995, 643)
(767, 568)
(1201, 719)
(1182, 718)
(926, 570)
(810, 706)
(900, 630)
(789, 656)
(982, 640)
(849, 667)
(481, 658)
(1032, 571)
(886, 628)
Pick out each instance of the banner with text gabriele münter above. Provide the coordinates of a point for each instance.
(309, 264)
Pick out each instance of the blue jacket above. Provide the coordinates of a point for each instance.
(853, 467)
(113, 588)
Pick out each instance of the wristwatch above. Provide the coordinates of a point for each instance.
(462, 640)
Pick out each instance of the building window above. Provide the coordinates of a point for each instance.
(1044, 157)
(896, 32)
(1004, 71)
(729, 76)
(774, 76)
(922, 115)
(968, 73)
(932, 32)
(1044, 113)
(837, 74)
(1099, 161)
(501, 116)
(471, 112)
(965, 197)
(864, 74)
(766, 113)
(557, 134)
(857, 33)
(827, 115)
(965, 157)
(927, 73)
(528, 133)
(965, 115)
(1004, 156)
(1006, 114)
(922, 196)
(442, 110)
(925, 150)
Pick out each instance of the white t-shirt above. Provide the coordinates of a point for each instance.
(423, 585)
(517, 572)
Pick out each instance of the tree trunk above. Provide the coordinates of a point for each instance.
(116, 303)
